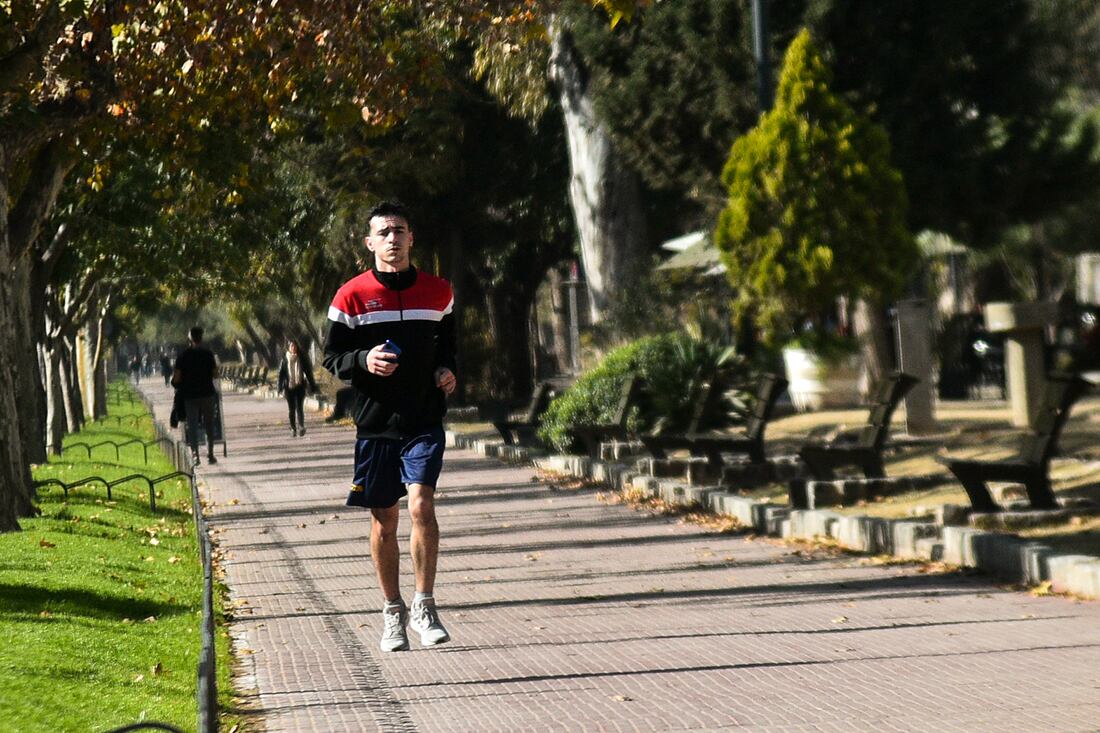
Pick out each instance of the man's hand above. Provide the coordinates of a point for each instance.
(379, 362)
(445, 380)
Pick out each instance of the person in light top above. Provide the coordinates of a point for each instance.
(295, 373)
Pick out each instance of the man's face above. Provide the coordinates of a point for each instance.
(390, 240)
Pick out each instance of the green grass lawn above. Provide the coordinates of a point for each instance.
(101, 600)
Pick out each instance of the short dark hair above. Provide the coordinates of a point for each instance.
(390, 207)
(195, 333)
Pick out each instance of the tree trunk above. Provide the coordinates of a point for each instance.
(261, 346)
(23, 228)
(15, 475)
(70, 385)
(55, 411)
(872, 328)
(30, 396)
(97, 347)
(509, 323)
(559, 321)
(605, 195)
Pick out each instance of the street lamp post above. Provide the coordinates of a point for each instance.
(760, 51)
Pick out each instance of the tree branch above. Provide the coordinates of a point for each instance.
(76, 309)
(52, 252)
(39, 195)
(26, 58)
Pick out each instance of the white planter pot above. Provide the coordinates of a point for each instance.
(817, 385)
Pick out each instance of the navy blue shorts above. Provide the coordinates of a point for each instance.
(383, 467)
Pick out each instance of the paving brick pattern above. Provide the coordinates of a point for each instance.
(569, 614)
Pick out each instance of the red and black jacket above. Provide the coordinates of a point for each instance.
(412, 309)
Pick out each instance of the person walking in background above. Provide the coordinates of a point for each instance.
(193, 377)
(135, 369)
(166, 368)
(294, 373)
(391, 335)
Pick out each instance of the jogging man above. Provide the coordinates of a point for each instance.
(391, 335)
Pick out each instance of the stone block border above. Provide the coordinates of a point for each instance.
(1004, 555)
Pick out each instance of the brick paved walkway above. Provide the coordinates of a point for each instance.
(571, 615)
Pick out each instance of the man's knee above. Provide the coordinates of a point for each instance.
(422, 505)
(384, 521)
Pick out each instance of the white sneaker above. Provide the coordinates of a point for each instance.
(394, 636)
(425, 619)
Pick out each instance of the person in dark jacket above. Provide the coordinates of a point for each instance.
(294, 374)
(193, 377)
(391, 336)
(166, 368)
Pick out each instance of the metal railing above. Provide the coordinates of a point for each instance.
(208, 667)
(88, 447)
(150, 482)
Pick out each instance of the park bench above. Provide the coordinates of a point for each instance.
(1031, 465)
(751, 439)
(522, 431)
(865, 451)
(591, 436)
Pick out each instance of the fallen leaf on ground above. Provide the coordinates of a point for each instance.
(1043, 589)
(840, 619)
(622, 698)
(45, 543)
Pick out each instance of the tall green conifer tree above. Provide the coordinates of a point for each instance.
(815, 209)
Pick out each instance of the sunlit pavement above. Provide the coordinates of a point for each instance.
(569, 614)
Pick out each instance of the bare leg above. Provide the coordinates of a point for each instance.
(384, 551)
(425, 535)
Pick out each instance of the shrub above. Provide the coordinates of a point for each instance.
(672, 365)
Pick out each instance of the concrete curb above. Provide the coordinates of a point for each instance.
(1004, 555)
